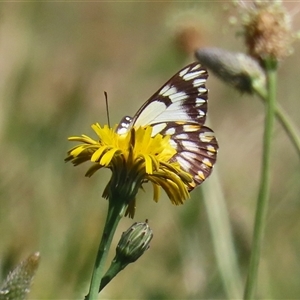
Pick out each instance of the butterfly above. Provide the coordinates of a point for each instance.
(179, 109)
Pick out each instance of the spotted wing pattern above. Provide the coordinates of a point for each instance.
(196, 148)
(179, 109)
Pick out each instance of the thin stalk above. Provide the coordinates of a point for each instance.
(289, 128)
(222, 238)
(116, 211)
(284, 120)
(264, 190)
(115, 268)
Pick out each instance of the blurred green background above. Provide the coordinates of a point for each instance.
(56, 60)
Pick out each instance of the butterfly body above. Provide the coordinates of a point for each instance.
(179, 109)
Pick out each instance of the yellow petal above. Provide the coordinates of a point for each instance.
(107, 157)
(97, 154)
(156, 192)
(148, 164)
(76, 151)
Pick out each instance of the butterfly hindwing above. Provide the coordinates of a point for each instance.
(196, 148)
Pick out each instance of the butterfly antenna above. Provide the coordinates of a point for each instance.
(107, 110)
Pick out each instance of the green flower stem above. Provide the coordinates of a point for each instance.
(284, 120)
(114, 269)
(264, 190)
(289, 128)
(116, 210)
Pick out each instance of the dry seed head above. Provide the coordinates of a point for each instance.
(268, 32)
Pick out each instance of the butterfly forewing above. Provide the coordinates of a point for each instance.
(179, 109)
(183, 98)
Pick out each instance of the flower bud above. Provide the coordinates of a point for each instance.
(133, 243)
(237, 69)
(17, 284)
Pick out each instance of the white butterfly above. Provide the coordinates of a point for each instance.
(179, 109)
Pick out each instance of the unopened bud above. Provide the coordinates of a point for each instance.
(134, 242)
(237, 69)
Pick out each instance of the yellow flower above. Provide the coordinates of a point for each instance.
(134, 158)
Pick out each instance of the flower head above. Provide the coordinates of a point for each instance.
(267, 30)
(134, 157)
